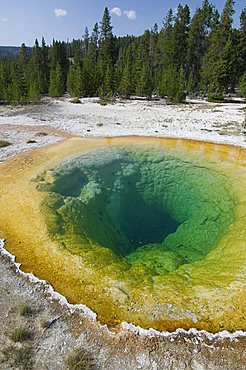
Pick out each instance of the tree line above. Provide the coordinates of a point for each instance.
(199, 55)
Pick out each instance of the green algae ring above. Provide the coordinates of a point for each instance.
(148, 231)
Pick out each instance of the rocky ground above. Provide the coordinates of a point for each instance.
(37, 330)
(197, 119)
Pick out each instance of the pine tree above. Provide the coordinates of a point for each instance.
(204, 54)
(60, 80)
(23, 57)
(17, 91)
(197, 43)
(34, 91)
(79, 83)
(71, 81)
(86, 40)
(242, 43)
(191, 86)
(21, 87)
(106, 55)
(34, 80)
(106, 42)
(95, 34)
(78, 57)
(108, 87)
(3, 80)
(53, 91)
(166, 41)
(144, 86)
(227, 19)
(226, 66)
(88, 73)
(44, 73)
(181, 89)
(173, 85)
(242, 86)
(125, 86)
(180, 36)
(94, 40)
(216, 76)
(35, 69)
(38, 70)
(163, 54)
(90, 63)
(208, 81)
(58, 57)
(56, 82)
(106, 27)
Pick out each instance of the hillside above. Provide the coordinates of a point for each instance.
(8, 51)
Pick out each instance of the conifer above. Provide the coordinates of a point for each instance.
(199, 55)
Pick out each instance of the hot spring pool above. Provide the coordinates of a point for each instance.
(148, 231)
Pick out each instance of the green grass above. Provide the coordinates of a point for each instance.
(20, 335)
(44, 324)
(20, 358)
(4, 143)
(79, 359)
(25, 309)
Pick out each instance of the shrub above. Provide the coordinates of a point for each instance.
(4, 143)
(45, 324)
(79, 360)
(20, 358)
(31, 141)
(42, 133)
(103, 102)
(105, 99)
(20, 335)
(216, 98)
(25, 309)
(75, 101)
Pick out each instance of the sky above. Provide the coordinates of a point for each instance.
(25, 20)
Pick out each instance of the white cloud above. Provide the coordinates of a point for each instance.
(130, 14)
(116, 11)
(60, 12)
(4, 19)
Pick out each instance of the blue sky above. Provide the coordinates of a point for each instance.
(24, 20)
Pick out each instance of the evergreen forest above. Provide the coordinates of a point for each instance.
(202, 55)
